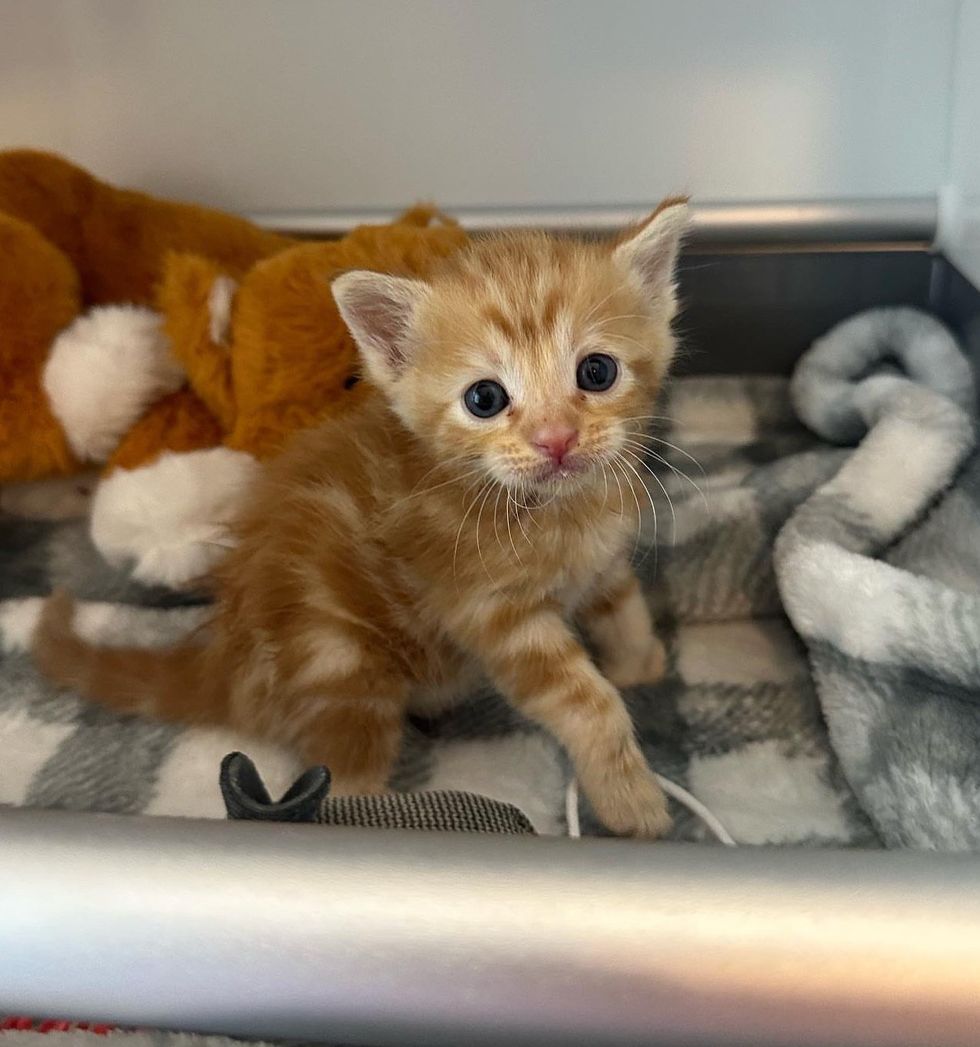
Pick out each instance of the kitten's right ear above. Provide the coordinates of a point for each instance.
(378, 310)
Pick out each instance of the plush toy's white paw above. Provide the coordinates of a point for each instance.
(102, 373)
(169, 518)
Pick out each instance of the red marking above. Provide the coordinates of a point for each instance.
(13, 1023)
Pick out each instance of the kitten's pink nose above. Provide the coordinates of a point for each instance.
(555, 441)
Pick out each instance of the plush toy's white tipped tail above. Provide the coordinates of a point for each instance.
(103, 371)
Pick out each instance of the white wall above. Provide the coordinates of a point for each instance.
(336, 104)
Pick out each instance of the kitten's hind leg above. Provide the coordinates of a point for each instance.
(618, 621)
(357, 737)
(347, 711)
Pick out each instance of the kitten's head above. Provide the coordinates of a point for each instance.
(528, 357)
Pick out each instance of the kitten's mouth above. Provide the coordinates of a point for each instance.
(555, 473)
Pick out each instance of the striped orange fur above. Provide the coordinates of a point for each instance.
(387, 557)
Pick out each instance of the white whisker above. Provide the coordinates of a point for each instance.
(649, 418)
(445, 483)
(479, 517)
(627, 316)
(602, 301)
(553, 498)
(646, 491)
(619, 487)
(673, 515)
(674, 447)
(673, 468)
(639, 513)
(510, 534)
(518, 506)
(496, 504)
(610, 336)
(521, 505)
(459, 533)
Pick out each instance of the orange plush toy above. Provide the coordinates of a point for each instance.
(172, 345)
(68, 243)
(266, 354)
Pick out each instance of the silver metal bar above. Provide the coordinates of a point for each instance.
(810, 221)
(398, 938)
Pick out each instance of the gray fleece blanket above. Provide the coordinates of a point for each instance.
(850, 722)
(880, 573)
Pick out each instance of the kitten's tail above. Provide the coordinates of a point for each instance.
(168, 683)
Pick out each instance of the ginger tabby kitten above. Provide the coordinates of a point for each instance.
(476, 502)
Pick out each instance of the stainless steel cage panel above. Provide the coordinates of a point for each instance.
(354, 936)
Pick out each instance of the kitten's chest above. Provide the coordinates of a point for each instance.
(567, 564)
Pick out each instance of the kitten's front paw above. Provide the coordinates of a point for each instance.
(630, 668)
(635, 806)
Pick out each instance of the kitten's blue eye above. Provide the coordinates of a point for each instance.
(597, 372)
(485, 399)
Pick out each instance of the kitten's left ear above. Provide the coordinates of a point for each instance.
(651, 253)
(378, 310)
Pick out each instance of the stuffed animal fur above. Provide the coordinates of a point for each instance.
(170, 345)
(73, 381)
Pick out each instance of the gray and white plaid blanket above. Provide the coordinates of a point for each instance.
(880, 573)
(882, 593)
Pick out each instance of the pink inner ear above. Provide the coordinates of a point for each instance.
(378, 309)
(385, 319)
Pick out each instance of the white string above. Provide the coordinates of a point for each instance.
(571, 808)
(697, 808)
(681, 795)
